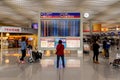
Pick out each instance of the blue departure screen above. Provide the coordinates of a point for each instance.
(61, 28)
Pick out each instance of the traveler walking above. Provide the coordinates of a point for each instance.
(23, 49)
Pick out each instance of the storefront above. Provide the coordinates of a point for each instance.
(11, 38)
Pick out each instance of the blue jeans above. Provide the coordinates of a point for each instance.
(58, 58)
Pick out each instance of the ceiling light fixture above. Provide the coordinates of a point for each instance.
(86, 15)
(7, 34)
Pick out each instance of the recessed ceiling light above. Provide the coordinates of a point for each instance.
(86, 15)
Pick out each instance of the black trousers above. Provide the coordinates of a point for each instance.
(23, 55)
(107, 53)
(58, 58)
(95, 55)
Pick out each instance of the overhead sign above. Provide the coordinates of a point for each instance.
(10, 29)
(59, 15)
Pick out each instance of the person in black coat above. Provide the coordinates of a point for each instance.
(95, 51)
(104, 45)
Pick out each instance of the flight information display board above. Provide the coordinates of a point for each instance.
(60, 28)
(65, 26)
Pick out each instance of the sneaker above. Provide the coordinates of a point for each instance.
(23, 62)
(19, 61)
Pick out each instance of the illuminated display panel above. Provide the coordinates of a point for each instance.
(63, 41)
(60, 28)
(53, 42)
(47, 43)
(73, 42)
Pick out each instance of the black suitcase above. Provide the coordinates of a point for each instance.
(35, 56)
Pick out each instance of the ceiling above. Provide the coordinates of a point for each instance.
(24, 12)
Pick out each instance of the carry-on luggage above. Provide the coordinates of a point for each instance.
(35, 56)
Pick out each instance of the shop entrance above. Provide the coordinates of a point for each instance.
(14, 40)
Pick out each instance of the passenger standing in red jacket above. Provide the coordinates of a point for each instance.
(60, 53)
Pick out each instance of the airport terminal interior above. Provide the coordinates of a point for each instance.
(77, 23)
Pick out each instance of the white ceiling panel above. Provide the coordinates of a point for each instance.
(99, 2)
(23, 12)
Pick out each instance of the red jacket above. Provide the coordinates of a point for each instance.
(60, 49)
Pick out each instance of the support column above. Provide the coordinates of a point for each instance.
(1, 53)
(39, 31)
(91, 28)
(80, 52)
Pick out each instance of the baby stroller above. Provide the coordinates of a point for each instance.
(35, 56)
(116, 62)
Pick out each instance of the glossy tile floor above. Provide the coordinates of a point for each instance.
(76, 69)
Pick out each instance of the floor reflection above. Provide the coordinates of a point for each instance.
(68, 62)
